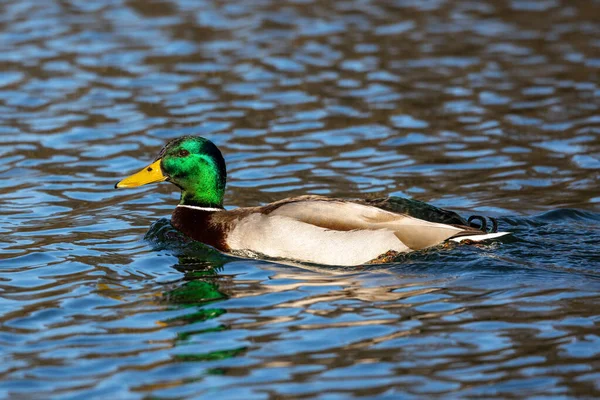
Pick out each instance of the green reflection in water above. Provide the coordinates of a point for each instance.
(201, 265)
(183, 336)
(195, 292)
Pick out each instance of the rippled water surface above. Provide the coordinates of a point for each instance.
(486, 107)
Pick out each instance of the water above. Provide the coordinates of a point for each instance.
(482, 107)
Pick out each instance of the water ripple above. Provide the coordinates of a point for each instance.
(490, 107)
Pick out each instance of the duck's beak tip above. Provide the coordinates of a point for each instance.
(151, 174)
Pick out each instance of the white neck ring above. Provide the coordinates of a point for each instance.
(200, 208)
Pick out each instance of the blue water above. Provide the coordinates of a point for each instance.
(487, 107)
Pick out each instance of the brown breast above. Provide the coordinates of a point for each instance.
(210, 227)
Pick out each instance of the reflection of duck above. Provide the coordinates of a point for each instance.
(200, 293)
(311, 229)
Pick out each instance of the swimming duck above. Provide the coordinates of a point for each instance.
(312, 229)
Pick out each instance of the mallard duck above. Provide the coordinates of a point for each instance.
(311, 229)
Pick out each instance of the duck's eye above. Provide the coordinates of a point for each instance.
(183, 153)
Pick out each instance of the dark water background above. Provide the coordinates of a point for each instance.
(478, 106)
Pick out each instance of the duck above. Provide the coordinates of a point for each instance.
(309, 229)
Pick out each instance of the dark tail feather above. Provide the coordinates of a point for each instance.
(483, 226)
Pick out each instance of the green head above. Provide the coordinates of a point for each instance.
(192, 163)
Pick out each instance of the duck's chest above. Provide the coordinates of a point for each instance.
(201, 226)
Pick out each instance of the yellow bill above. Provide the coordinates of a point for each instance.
(151, 174)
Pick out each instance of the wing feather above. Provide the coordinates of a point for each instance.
(344, 216)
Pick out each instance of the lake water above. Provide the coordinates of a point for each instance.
(487, 107)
